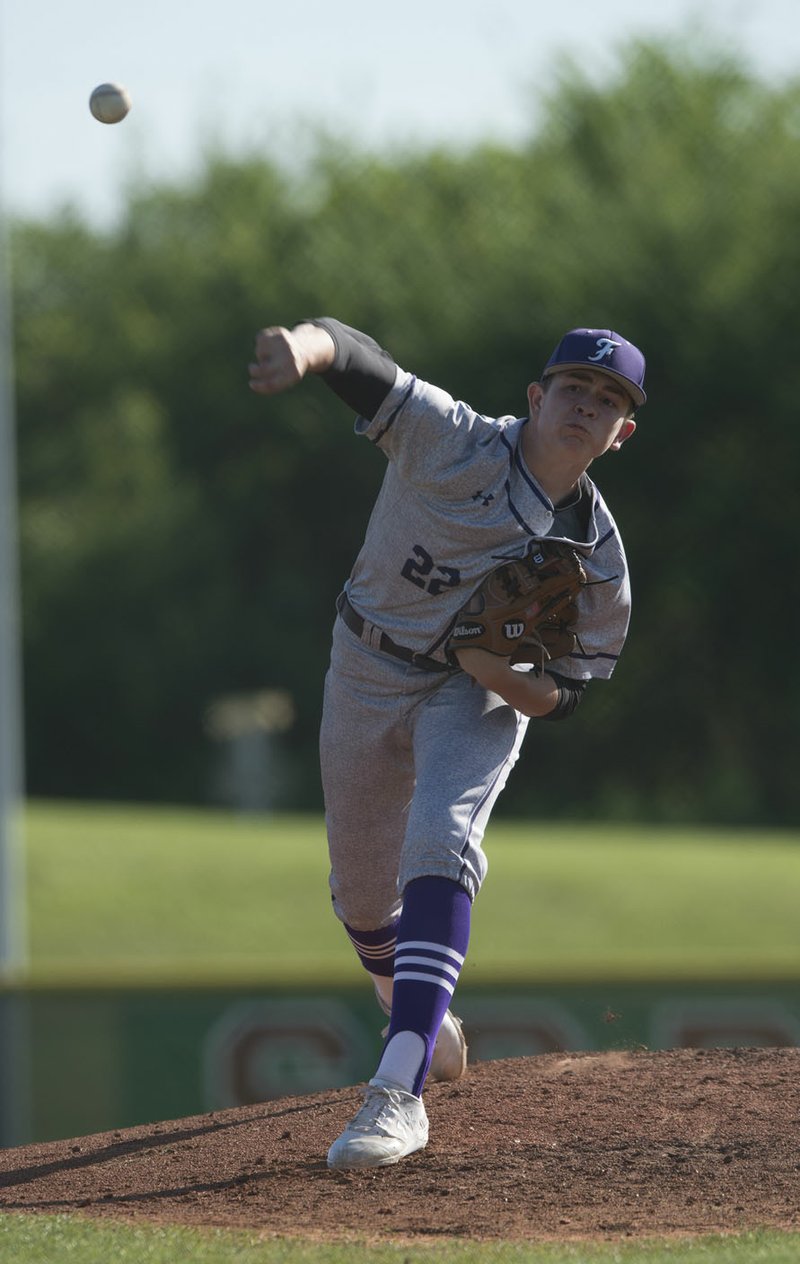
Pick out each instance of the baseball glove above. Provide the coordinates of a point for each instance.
(525, 610)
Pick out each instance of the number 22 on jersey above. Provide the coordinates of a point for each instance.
(423, 571)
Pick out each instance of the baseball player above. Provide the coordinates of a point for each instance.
(417, 742)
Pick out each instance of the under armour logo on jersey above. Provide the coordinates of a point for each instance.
(483, 498)
(605, 348)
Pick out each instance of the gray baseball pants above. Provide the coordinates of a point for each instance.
(412, 764)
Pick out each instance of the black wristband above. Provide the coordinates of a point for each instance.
(570, 693)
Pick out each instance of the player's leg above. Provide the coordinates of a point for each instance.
(432, 940)
(393, 1123)
(366, 759)
(367, 772)
(466, 742)
(366, 762)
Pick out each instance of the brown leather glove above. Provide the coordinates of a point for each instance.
(525, 610)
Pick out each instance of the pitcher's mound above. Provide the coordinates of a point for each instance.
(562, 1145)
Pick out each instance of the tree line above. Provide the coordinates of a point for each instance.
(183, 541)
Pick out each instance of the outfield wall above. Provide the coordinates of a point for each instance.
(81, 1059)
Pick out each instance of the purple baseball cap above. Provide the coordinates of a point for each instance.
(604, 350)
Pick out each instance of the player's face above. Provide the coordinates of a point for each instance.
(582, 410)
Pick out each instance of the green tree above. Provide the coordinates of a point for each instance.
(182, 539)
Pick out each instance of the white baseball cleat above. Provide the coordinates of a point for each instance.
(390, 1124)
(449, 1061)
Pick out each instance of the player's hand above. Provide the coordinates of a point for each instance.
(279, 361)
(284, 356)
(523, 690)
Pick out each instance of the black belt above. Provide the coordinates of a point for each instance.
(384, 643)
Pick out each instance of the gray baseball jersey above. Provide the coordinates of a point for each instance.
(413, 760)
(456, 500)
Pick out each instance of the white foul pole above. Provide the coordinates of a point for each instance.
(13, 951)
(13, 928)
(14, 1043)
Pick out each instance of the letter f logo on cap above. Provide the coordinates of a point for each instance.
(605, 346)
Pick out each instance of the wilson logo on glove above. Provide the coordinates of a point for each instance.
(530, 601)
(468, 631)
(513, 631)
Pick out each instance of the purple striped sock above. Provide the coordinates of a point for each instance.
(432, 940)
(376, 948)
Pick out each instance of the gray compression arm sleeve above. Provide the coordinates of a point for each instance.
(362, 373)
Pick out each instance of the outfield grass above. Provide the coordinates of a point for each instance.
(207, 895)
(115, 890)
(59, 1239)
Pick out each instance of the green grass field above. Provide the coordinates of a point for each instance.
(142, 891)
(58, 1239)
(119, 892)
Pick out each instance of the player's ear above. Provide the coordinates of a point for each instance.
(535, 393)
(625, 431)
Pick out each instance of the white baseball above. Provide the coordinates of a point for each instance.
(110, 102)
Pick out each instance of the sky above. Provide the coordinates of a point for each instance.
(256, 76)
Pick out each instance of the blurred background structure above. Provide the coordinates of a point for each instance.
(246, 728)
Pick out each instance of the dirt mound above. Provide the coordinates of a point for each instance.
(554, 1146)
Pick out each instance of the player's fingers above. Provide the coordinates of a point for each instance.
(271, 377)
(271, 334)
(264, 381)
(273, 345)
(277, 365)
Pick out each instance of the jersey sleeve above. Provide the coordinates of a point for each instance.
(434, 441)
(431, 437)
(604, 612)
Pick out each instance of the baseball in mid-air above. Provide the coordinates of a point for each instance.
(110, 102)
